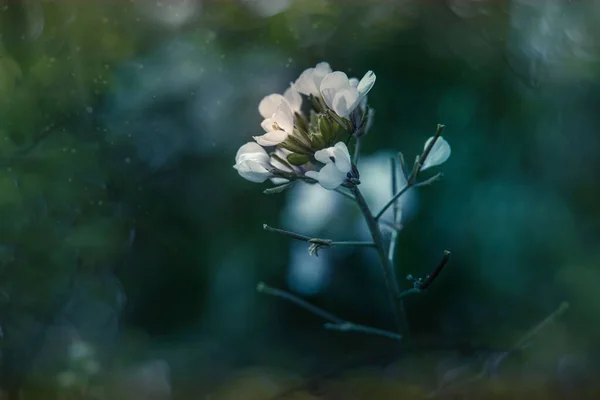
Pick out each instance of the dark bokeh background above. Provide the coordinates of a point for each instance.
(124, 224)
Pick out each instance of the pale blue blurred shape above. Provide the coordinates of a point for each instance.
(310, 208)
(375, 177)
(308, 275)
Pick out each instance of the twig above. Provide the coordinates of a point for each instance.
(436, 272)
(335, 322)
(404, 190)
(394, 239)
(421, 159)
(421, 285)
(564, 306)
(317, 241)
(356, 154)
(391, 285)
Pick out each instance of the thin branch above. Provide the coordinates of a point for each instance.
(421, 159)
(391, 284)
(335, 322)
(404, 190)
(395, 232)
(356, 154)
(519, 344)
(317, 241)
(421, 285)
(436, 272)
(351, 327)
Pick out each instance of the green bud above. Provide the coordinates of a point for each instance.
(326, 128)
(317, 141)
(297, 159)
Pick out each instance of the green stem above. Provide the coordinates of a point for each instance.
(335, 322)
(387, 267)
(404, 190)
(322, 242)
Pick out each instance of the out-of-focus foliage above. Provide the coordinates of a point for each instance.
(123, 223)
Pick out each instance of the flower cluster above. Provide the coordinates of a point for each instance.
(307, 128)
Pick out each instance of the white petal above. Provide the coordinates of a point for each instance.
(305, 83)
(330, 177)
(342, 157)
(312, 174)
(353, 82)
(439, 153)
(253, 171)
(269, 104)
(271, 138)
(345, 101)
(321, 70)
(366, 83)
(268, 125)
(284, 117)
(249, 148)
(325, 155)
(332, 84)
(293, 98)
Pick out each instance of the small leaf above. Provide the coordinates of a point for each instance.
(297, 159)
(278, 189)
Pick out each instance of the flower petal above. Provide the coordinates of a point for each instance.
(366, 83)
(321, 70)
(333, 83)
(269, 104)
(439, 153)
(325, 155)
(253, 171)
(293, 98)
(249, 148)
(284, 117)
(312, 174)
(268, 125)
(330, 177)
(342, 157)
(305, 83)
(345, 101)
(271, 138)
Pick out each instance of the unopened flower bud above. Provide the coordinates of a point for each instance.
(297, 159)
(326, 128)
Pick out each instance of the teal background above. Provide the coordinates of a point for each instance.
(124, 221)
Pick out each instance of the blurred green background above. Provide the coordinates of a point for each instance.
(124, 224)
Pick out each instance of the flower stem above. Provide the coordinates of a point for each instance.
(404, 190)
(388, 273)
(335, 322)
(356, 154)
(322, 242)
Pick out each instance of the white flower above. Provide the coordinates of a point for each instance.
(252, 163)
(279, 125)
(337, 165)
(309, 81)
(343, 95)
(439, 153)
